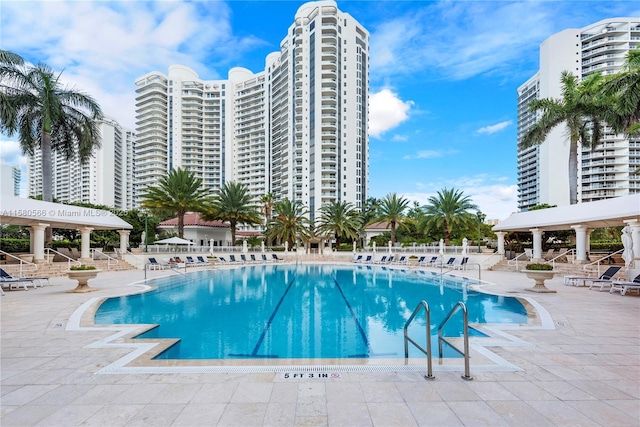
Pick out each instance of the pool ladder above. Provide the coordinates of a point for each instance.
(441, 338)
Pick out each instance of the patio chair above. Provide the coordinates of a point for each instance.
(576, 280)
(190, 261)
(153, 264)
(382, 260)
(243, 258)
(421, 259)
(357, 259)
(252, 257)
(232, 258)
(462, 265)
(368, 259)
(276, 257)
(203, 261)
(264, 258)
(448, 263)
(624, 287)
(402, 260)
(8, 277)
(390, 260)
(431, 261)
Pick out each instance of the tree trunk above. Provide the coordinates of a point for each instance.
(393, 233)
(233, 234)
(573, 173)
(47, 177)
(181, 225)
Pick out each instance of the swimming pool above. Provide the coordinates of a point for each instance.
(301, 311)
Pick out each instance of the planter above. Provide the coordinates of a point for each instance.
(26, 257)
(539, 276)
(83, 277)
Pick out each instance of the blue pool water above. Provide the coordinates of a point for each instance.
(303, 311)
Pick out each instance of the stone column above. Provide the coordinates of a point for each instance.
(581, 243)
(85, 246)
(36, 234)
(501, 235)
(537, 244)
(124, 240)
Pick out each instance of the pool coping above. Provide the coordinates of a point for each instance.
(140, 358)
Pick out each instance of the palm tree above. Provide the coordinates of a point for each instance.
(392, 210)
(179, 192)
(47, 115)
(581, 111)
(290, 222)
(234, 204)
(267, 206)
(624, 88)
(449, 211)
(339, 219)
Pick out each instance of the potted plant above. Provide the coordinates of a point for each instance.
(539, 273)
(82, 273)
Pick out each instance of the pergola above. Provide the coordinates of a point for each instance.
(582, 217)
(38, 215)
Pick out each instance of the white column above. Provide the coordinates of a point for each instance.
(124, 240)
(85, 245)
(581, 243)
(36, 235)
(501, 235)
(537, 244)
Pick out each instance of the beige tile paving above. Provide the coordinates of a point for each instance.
(585, 371)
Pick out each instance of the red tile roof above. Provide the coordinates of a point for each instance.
(193, 219)
(382, 225)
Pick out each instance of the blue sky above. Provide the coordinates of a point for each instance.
(443, 74)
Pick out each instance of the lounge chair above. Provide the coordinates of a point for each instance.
(432, 261)
(4, 276)
(368, 258)
(357, 259)
(402, 260)
(190, 261)
(232, 258)
(382, 260)
(252, 257)
(448, 263)
(576, 280)
(203, 261)
(390, 260)
(222, 260)
(462, 265)
(421, 259)
(243, 258)
(153, 264)
(624, 287)
(264, 258)
(7, 279)
(177, 262)
(276, 258)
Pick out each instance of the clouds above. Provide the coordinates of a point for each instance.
(386, 111)
(488, 130)
(102, 47)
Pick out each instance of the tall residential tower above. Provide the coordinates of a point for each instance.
(605, 170)
(297, 129)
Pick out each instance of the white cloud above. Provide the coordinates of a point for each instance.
(386, 111)
(102, 47)
(494, 128)
(429, 154)
(495, 198)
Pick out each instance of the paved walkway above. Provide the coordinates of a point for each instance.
(585, 371)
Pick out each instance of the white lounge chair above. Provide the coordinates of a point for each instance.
(576, 280)
(624, 287)
(462, 265)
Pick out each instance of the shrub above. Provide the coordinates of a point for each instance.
(82, 267)
(14, 245)
(536, 266)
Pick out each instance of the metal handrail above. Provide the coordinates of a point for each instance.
(552, 261)
(21, 261)
(597, 262)
(510, 263)
(465, 329)
(69, 259)
(408, 339)
(95, 251)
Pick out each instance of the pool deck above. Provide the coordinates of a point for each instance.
(585, 371)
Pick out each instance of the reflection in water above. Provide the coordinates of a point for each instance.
(305, 311)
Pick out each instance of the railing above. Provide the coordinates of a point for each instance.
(139, 261)
(465, 329)
(99, 253)
(48, 252)
(565, 254)
(408, 339)
(21, 261)
(514, 261)
(597, 262)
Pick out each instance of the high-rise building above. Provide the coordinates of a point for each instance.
(10, 179)
(297, 129)
(105, 179)
(604, 171)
